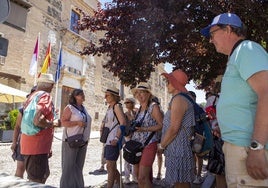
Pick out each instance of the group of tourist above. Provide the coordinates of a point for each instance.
(241, 115)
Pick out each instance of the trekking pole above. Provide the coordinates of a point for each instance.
(120, 145)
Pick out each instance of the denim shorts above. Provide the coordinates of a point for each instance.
(111, 153)
(17, 155)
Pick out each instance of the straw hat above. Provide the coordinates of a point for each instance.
(113, 91)
(46, 78)
(142, 86)
(178, 79)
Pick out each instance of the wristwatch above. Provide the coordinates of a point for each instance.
(255, 145)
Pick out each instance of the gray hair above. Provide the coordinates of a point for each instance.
(43, 85)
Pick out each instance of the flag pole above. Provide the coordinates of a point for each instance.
(50, 57)
(37, 56)
(56, 76)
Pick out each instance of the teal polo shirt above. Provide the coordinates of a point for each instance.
(236, 108)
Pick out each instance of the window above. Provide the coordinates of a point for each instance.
(74, 19)
(18, 14)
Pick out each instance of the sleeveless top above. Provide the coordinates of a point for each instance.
(110, 121)
(180, 146)
(78, 115)
(148, 121)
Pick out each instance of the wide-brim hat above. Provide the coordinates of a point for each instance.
(224, 19)
(178, 79)
(141, 86)
(46, 78)
(113, 91)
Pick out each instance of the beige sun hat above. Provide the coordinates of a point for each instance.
(46, 78)
(113, 90)
(142, 86)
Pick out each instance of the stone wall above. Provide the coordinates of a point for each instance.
(86, 72)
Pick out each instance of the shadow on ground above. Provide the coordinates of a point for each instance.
(132, 184)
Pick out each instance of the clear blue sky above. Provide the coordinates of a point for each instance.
(200, 94)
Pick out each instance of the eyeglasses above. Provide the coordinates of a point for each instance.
(211, 34)
(127, 102)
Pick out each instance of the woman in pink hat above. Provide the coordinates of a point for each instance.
(177, 127)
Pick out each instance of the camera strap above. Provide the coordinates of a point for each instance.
(148, 139)
(141, 121)
(145, 112)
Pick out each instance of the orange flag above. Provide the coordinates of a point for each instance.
(46, 63)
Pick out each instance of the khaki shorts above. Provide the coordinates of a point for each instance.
(235, 168)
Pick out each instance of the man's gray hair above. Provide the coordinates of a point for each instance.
(43, 85)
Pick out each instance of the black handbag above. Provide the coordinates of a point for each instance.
(76, 141)
(132, 150)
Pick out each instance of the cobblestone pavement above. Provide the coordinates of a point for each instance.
(91, 176)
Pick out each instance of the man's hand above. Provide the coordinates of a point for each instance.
(56, 123)
(13, 147)
(257, 165)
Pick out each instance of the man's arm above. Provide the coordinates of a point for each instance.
(257, 165)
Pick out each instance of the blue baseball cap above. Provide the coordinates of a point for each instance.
(225, 19)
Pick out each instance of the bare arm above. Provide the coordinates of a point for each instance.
(16, 132)
(65, 119)
(120, 115)
(178, 109)
(158, 116)
(257, 165)
(118, 110)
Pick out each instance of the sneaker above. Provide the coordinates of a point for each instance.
(127, 180)
(159, 176)
(198, 180)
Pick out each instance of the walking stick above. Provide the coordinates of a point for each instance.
(122, 128)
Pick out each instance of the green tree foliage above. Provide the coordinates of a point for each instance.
(12, 115)
(141, 34)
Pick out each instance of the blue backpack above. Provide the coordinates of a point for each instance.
(202, 139)
(27, 125)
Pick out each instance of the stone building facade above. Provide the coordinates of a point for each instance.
(53, 20)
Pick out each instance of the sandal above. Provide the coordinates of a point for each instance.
(159, 176)
(101, 169)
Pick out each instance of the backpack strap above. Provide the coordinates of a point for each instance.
(214, 102)
(199, 116)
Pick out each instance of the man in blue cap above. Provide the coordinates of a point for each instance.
(242, 107)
